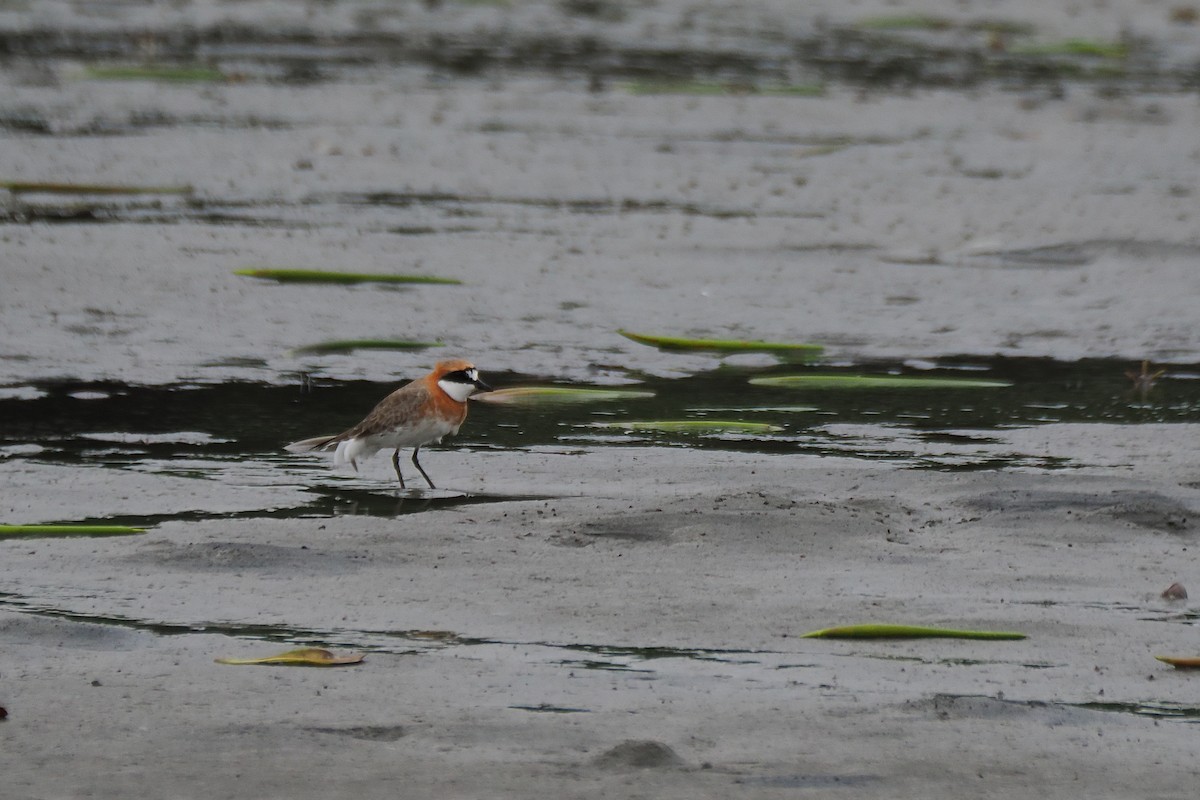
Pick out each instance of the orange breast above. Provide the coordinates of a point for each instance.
(446, 406)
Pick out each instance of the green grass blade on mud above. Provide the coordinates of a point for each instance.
(837, 381)
(692, 426)
(339, 278)
(889, 631)
(714, 89)
(785, 350)
(175, 73)
(558, 395)
(34, 531)
(905, 22)
(350, 345)
(1093, 48)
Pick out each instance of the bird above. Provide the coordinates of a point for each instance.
(419, 413)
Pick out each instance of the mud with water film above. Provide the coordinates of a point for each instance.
(227, 435)
(584, 610)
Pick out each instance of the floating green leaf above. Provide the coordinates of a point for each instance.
(887, 631)
(304, 657)
(792, 90)
(900, 22)
(12, 531)
(1001, 27)
(322, 276)
(692, 426)
(788, 351)
(155, 72)
(550, 395)
(49, 187)
(1181, 662)
(836, 381)
(350, 345)
(702, 88)
(1073, 47)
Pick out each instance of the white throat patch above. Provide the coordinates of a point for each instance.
(458, 391)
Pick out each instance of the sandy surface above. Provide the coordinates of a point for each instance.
(634, 632)
(512, 646)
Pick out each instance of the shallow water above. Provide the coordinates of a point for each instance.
(233, 432)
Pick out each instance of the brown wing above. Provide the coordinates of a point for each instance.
(391, 412)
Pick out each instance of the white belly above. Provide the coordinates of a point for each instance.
(428, 431)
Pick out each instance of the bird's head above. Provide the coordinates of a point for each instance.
(459, 379)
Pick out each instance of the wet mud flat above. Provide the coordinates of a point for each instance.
(1049, 218)
(589, 612)
(627, 635)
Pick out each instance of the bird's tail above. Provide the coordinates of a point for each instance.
(315, 443)
(350, 450)
(345, 451)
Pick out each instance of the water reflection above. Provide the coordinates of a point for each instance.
(233, 432)
(115, 424)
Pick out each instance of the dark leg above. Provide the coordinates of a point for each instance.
(396, 464)
(417, 464)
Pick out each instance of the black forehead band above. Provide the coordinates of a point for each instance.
(458, 376)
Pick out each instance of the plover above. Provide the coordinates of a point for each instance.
(416, 414)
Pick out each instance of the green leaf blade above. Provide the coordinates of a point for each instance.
(838, 381)
(903, 22)
(1094, 48)
(891, 631)
(714, 89)
(156, 72)
(787, 350)
(32, 531)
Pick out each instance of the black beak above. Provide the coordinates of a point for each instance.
(481, 386)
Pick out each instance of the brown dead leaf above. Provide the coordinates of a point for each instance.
(1181, 662)
(304, 657)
